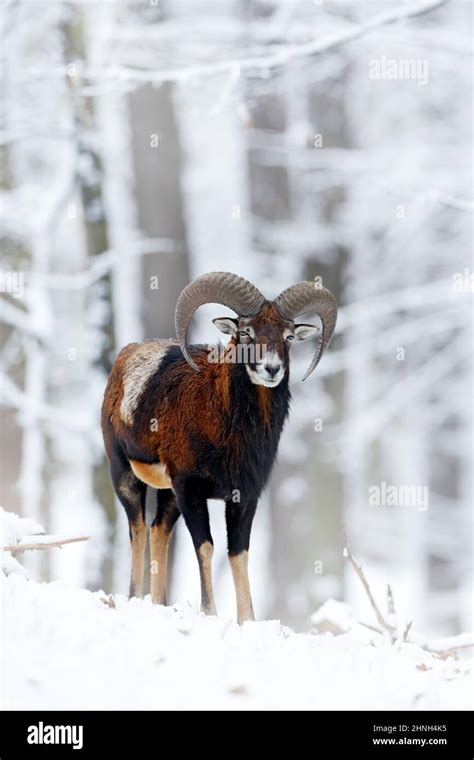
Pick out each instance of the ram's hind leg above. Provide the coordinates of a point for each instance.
(161, 531)
(131, 493)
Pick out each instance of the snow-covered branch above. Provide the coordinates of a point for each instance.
(21, 534)
(19, 319)
(437, 369)
(281, 56)
(103, 263)
(35, 411)
(41, 542)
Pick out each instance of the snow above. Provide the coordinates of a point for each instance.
(65, 648)
(248, 96)
(463, 640)
(13, 529)
(8, 564)
(337, 614)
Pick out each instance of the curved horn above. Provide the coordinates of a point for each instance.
(307, 297)
(225, 288)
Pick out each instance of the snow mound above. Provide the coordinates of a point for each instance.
(25, 533)
(13, 530)
(333, 616)
(73, 649)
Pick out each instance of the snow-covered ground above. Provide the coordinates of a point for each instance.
(66, 648)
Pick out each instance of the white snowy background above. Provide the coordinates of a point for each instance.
(145, 143)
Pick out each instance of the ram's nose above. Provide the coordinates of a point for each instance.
(272, 369)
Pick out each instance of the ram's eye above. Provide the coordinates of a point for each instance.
(290, 337)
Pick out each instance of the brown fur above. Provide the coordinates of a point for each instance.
(169, 443)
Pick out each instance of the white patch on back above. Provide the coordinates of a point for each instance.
(140, 366)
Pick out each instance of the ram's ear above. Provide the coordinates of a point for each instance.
(226, 325)
(303, 332)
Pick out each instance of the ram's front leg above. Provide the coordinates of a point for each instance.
(193, 506)
(239, 518)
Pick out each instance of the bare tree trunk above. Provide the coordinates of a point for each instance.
(119, 195)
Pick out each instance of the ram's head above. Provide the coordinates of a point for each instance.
(269, 326)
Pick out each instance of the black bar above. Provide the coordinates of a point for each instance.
(373, 734)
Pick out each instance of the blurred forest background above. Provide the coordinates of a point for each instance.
(144, 143)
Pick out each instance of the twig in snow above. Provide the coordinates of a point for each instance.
(390, 601)
(407, 631)
(109, 601)
(17, 548)
(360, 573)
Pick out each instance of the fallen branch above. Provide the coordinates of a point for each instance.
(443, 654)
(57, 544)
(447, 647)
